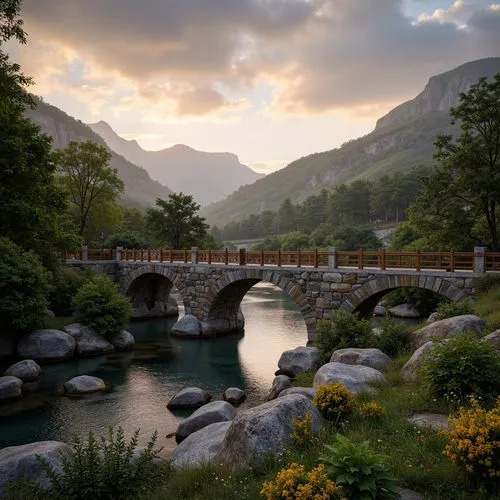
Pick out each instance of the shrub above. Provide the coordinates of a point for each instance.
(448, 309)
(100, 305)
(371, 410)
(486, 307)
(294, 483)
(463, 366)
(127, 239)
(486, 283)
(66, 285)
(24, 286)
(302, 430)
(474, 442)
(342, 330)
(334, 401)
(425, 301)
(394, 338)
(360, 472)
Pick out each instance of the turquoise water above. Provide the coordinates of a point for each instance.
(143, 382)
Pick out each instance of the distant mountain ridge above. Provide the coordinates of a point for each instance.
(208, 177)
(140, 189)
(402, 138)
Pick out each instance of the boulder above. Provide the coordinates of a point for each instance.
(413, 365)
(379, 311)
(50, 314)
(434, 421)
(493, 338)
(308, 392)
(374, 358)
(280, 383)
(201, 446)
(19, 463)
(432, 317)
(356, 378)
(300, 359)
(46, 346)
(27, 370)
(88, 342)
(11, 389)
(406, 494)
(447, 328)
(122, 341)
(405, 311)
(187, 326)
(234, 395)
(211, 413)
(264, 430)
(83, 384)
(189, 398)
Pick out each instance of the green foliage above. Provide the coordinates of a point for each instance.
(127, 239)
(340, 331)
(334, 402)
(24, 286)
(304, 379)
(176, 222)
(66, 284)
(99, 469)
(486, 306)
(269, 243)
(448, 309)
(463, 366)
(394, 338)
(425, 301)
(295, 241)
(100, 305)
(403, 236)
(486, 283)
(363, 474)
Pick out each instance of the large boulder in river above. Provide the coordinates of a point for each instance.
(187, 326)
(84, 384)
(122, 340)
(300, 359)
(19, 463)
(234, 395)
(211, 413)
(373, 358)
(410, 370)
(11, 389)
(405, 311)
(280, 383)
(46, 346)
(189, 398)
(201, 446)
(264, 430)
(27, 370)
(88, 342)
(356, 378)
(449, 327)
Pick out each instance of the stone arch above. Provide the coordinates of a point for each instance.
(365, 298)
(221, 311)
(149, 287)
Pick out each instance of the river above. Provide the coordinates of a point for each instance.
(143, 382)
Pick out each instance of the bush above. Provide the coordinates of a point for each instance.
(448, 309)
(100, 305)
(394, 338)
(66, 285)
(486, 307)
(463, 366)
(24, 287)
(474, 442)
(361, 473)
(98, 469)
(302, 431)
(334, 401)
(342, 330)
(486, 283)
(425, 301)
(127, 239)
(371, 410)
(294, 483)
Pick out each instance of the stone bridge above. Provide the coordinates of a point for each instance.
(213, 292)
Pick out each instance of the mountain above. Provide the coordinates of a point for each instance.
(140, 189)
(401, 139)
(207, 176)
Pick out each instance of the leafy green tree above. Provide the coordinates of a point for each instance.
(176, 222)
(403, 235)
(269, 243)
(458, 206)
(88, 179)
(295, 241)
(126, 239)
(353, 237)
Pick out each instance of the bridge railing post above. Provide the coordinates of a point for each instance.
(194, 255)
(85, 252)
(243, 257)
(479, 259)
(119, 253)
(332, 257)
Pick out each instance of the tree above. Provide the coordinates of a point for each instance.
(88, 178)
(296, 240)
(176, 221)
(351, 237)
(459, 202)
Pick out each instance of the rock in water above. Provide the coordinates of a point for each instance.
(27, 370)
(280, 383)
(88, 342)
(373, 358)
(122, 341)
(46, 346)
(11, 389)
(264, 430)
(84, 384)
(189, 398)
(300, 359)
(19, 463)
(211, 413)
(405, 311)
(234, 395)
(187, 326)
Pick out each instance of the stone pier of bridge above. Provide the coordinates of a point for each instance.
(213, 292)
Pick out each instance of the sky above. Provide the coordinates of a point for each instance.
(268, 80)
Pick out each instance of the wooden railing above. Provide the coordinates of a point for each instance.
(359, 259)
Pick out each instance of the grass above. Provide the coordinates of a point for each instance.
(486, 306)
(304, 379)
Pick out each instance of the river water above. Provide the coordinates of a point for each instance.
(143, 382)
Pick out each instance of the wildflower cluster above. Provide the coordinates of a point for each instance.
(371, 410)
(474, 441)
(334, 401)
(294, 483)
(302, 430)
